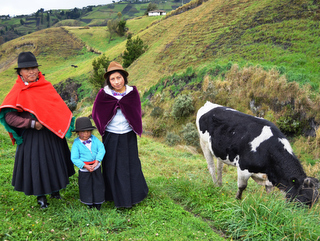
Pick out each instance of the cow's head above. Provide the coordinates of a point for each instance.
(306, 193)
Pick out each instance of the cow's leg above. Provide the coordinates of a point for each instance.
(219, 171)
(209, 157)
(262, 179)
(243, 177)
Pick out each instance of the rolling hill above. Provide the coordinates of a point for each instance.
(92, 15)
(260, 57)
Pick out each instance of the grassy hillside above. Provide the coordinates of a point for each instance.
(195, 48)
(273, 33)
(260, 57)
(92, 15)
(283, 34)
(182, 204)
(100, 14)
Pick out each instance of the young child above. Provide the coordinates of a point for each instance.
(87, 152)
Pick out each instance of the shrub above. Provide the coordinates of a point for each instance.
(134, 49)
(112, 28)
(289, 125)
(182, 106)
(156, 112)
(99, 68)
(190, 134)
(159, 130)
(172, 139)
(122, 27)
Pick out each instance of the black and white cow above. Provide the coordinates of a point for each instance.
(257, 148)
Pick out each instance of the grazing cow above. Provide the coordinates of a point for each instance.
(257, 148)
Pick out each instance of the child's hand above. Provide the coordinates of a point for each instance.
(95, 164)
(89, 167)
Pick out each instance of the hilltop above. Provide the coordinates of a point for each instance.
(92, 15)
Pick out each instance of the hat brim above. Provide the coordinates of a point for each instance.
(85, 129)
(27, 65)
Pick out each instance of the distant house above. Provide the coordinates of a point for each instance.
(157, 13)
(4, 17)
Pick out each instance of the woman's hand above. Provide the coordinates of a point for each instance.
(38, 126)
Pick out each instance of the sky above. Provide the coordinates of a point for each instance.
(19, 7)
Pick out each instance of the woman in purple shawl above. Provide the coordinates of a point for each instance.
(117, 115)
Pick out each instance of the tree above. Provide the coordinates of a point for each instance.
(122, 27)
(48, 19)
(151, 7)
(116, 26)
(99, 68)
(134, 49)
(112, 27)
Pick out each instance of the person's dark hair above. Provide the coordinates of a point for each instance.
(18, 71)
(107, 82)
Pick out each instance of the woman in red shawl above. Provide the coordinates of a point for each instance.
(117, 115)
(37, 120)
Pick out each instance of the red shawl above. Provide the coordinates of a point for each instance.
(105, 107)
(41, 99)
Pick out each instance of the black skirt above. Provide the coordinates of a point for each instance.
(91, 187)
(124, 180)
(42, 163)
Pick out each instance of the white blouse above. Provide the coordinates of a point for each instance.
(118, 124)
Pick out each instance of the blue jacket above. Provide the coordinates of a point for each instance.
(80, 153)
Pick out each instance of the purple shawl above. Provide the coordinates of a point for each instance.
(105, 107)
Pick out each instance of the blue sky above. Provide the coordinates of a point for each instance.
(19, 7)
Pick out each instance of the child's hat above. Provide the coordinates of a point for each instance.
(84, 124)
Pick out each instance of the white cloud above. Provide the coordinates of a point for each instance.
(19, 7)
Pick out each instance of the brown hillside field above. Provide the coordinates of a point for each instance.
(214, 31)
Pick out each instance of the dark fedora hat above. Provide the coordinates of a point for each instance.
(114, 66)
(84, 124)
(27, 60)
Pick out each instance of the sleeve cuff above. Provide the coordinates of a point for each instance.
(33, 124)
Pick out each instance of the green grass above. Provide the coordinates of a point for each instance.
(156, 217)
(182, 204)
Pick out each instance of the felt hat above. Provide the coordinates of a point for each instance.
(84, 124)
(27, 60)
(114, 66)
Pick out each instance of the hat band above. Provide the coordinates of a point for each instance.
(27, 65)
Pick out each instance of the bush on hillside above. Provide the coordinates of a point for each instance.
(122, 27)
(172, 139)
(190, 134)
(289, 122)
(99, 68)
(157, 112)
(112, 28)
(182, 106)
(159, 130)
(134, 49)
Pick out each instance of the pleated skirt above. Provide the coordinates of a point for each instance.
(121, 167)
(91, 187)
(42, 163)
